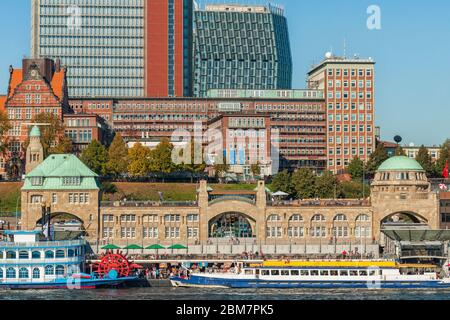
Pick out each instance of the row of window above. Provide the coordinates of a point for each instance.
(150, 232)
(48, 254)
(318, 232)
(24, 273)
(318, 218)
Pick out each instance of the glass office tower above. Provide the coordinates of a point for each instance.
(241, 47)
(100, 41)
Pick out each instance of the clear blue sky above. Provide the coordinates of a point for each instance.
(412, 51)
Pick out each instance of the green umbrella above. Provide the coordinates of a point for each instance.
(110, 247)
(133, 247)
(155, 247)
(177, 247)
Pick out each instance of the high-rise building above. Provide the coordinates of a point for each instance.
(117, 48)
(349, 87)
(168, 48)
(241, 47)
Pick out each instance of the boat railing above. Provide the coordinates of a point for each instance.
(42, 244)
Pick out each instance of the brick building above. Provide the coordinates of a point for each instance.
(39, 87)
(298, 115)
(349, 88)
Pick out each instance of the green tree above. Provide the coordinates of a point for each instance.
(444, 156)
(95, 156)
(376, 159)
(64, 146)
(424, 158)
(5, 125)
(221, 169)
(51, 134)
(139, 157)
(255, 169)
(327, 186)
(195, 164)
(354, 190)
(356, 169)
(161, 158)
(399, 151)
(282, 182)
(304, 182)
(118, 157)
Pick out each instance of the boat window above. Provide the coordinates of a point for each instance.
(1, 254)
(248, 272)
(284, 272)
(334, 273)
(324, 272)
(265, 272)
(60, 254)
(1, 272)
(49, 254)
(363, 273)
(71, 253)
(314, 272)
(343, 273)
(23, 273)
(275, 272)
(372, 272)
(11, 255)
(49, 270)
(36, 273)
(304, 272)
(353, 273)
(24, 255)
(295, 272)
(59, 270)
(381, 272)
(10, 273)
(35, 255)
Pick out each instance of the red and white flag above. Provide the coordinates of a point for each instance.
(445, 171)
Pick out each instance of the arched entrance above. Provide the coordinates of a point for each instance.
(397, 221)
(232, 225)
(65, 226)
(404, 218)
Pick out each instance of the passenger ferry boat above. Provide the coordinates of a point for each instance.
(320, 274)
(27, 262)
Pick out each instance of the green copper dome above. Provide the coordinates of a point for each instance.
(401, 163)
(35, 132)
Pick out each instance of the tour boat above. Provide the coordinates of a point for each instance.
(28, 262)
(320, 274)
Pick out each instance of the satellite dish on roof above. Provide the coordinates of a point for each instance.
(398, 139)
(328, 55)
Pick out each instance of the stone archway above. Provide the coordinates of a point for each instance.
(232, 225)
(65, 226)
(404, 217)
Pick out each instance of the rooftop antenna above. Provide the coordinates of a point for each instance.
(345, 48)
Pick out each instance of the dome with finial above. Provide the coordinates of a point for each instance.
(35, 132)
(400, 163)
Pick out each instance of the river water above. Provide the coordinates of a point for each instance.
(180, 294)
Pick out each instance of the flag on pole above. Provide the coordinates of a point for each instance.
(445, 171)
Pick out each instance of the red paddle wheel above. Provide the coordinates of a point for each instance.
(115, 261)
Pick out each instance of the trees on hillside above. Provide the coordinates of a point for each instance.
(376, 159)
(4, 127)
(139, 160)
(424, 158)
(118, 160)
(95, 156)
(282, 182)
(161, 158)
(304, 183)
(444, 156)
(356, 169)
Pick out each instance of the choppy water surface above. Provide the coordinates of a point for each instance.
(222, 294)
